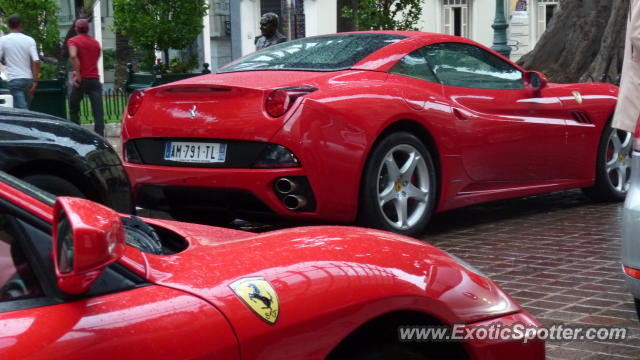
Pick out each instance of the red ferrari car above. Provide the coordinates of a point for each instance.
(78, 281)
(385, 127)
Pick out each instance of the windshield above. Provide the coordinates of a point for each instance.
(320, 53)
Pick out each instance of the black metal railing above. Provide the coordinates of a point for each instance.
(114, 102)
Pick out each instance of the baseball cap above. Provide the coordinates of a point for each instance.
(82, 25)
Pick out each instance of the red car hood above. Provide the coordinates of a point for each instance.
(221, 106)
(342, 266)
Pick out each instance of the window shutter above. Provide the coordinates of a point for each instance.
(448, 28)
(465, 21)
(542, 19)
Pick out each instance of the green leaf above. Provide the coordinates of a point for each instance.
(385, 14)
(39, 20)
(160, 24)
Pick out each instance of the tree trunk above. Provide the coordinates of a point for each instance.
(124, 54)
(166, 57)
(584, 42)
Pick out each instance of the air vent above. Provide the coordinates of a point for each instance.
(581, 117)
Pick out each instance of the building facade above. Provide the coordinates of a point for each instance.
(231, 26)
(528, 19)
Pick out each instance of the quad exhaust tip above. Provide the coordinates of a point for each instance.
(294, 202)
(286, 186)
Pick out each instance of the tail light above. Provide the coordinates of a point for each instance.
(279, 101)
(636, 138)
(632, 272)
(135, 100)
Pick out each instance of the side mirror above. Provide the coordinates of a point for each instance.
(86, 238)
(534, 81)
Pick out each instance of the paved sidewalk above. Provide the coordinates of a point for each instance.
(558, 255)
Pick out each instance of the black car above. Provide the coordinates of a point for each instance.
(62, 158)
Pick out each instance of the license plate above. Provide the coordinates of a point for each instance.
(195, 152)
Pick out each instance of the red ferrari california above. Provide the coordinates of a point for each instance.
(78, 281)
(382, 127)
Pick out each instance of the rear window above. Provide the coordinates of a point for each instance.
(320, 53)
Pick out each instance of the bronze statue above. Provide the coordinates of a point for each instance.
(270, 34)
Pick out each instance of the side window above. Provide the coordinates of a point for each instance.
(17, 279)
(469, 66)
(414, 65)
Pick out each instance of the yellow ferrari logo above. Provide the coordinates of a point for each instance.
(578, 96)
(398, 187)
(259, 296)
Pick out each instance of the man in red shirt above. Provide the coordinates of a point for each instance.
(85, 52)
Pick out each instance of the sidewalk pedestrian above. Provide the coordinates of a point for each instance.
(628, 107)
(84, 52)
(20, 56)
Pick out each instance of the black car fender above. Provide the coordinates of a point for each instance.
(41, 144)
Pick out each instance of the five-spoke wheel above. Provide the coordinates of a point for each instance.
(613, 166)
(398, 192)
(618, 165)
(403, 183)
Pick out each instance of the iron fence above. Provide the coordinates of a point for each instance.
(114, 102)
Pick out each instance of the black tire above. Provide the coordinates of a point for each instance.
(391, 352)
(604, 188)
(637, 303)
(371, 213)
(55, 185)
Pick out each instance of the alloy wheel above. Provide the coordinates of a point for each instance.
(403, 186)
(618, 160)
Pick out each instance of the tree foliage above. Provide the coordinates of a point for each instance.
(385, 14)
(583, 42)
(160, 24)
(39, 20)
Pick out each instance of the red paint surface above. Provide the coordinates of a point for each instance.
(329, 281)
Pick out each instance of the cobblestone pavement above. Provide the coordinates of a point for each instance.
(558, 256)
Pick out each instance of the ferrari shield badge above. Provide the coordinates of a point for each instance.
(578, 96)
(259, 296)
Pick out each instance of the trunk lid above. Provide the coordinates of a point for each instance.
(217, 106)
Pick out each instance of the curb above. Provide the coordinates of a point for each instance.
(110, 130)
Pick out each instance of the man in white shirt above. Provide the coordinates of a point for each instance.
(20, 56)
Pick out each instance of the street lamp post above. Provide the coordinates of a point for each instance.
(500, 31)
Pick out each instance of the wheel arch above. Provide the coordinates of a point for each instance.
(63, 170)
(384, 330)
(424, 135)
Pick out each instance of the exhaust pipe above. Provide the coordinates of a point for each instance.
(286, 186)
(294, 202)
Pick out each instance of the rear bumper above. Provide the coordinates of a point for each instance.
(633, 284)
(631, 228)
(242, 191)
(498, 350)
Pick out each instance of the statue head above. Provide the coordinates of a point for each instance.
(269, 24)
